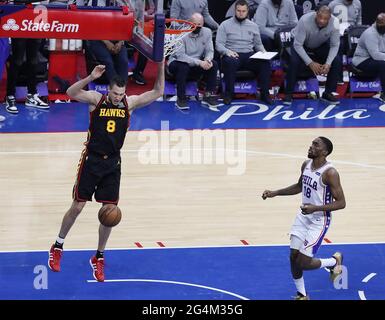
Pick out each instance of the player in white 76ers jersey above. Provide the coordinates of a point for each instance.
(321, 193)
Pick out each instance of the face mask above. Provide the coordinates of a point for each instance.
(240, 19)
(277, 2)
(197, 30)
(380, 29)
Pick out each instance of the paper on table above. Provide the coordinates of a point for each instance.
(264, 55)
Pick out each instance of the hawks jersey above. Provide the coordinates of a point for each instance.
(108, 127)
(313, 189)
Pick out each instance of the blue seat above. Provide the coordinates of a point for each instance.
(245, 82)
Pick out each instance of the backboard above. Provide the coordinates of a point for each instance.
(149, 42)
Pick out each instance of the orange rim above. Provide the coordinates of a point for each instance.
(189, 27)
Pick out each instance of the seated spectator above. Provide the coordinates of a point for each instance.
(184, 9)
(347, 11)
(237, 39)
(30, 49)
(137, 73)
(369, 56)
(316, 34)
(4, 53)
(253, 6)
(272, 14)
(141, 63)
(195, 57)
(112, 54)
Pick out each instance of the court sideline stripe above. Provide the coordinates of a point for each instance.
(196, 247)
(273, 154)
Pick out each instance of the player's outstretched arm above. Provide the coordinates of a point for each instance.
(137, 101)
(77, 92)
(288, 191)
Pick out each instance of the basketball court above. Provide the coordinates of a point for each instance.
(194, 225)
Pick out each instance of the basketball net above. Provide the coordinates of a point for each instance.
(174, 32)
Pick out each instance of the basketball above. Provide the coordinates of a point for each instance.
(109, 215)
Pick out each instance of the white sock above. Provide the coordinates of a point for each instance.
(60, 240)
(300, 285)
(331, 262)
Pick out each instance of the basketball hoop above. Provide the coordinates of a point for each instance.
(175, 30)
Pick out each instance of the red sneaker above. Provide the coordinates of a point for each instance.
(54, 258)
(97, 266)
